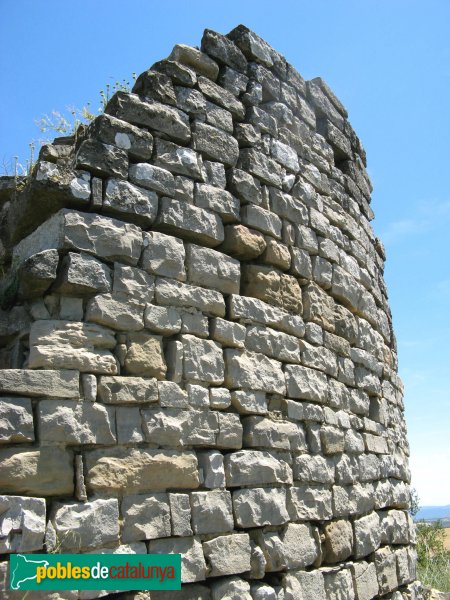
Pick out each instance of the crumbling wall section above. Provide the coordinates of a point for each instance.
(198, 353)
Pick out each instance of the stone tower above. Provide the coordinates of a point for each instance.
(198, 353)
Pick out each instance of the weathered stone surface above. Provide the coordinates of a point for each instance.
(261, 219)
(152, 177)
(253, 371)
(38, 273)
(386, 568)
(117, 310)
(190, 222)
(210, 268)
(180, 513)
(221, 97)
(145, 356)
(22, 524)
(203, 360)
(260, 432)
(16, 420)
(306, 384)
(260, 506)
(67, 357)
(36, 472)
(84, 526)
(199, 61)
(173, 293)
(267, 284)
(219, 201)
(178, 159)
(54, 384)
(154, 115)
(244, 186)
(228, 554)
(211, 468)
(338, 541)
(261, 166)
(212, 512)
(102, 159)
(304, 584)
(313, 469)
(102, 236)
(119, 470)
(253, 310)
(339, 585)
(243, 243)
(223, 50)
(174, 427)
(127, 201)
(161, 319)
(295, 547)
(253, 467)
(136, 284)
(227, 333)
(127, 390)
(309, 502)
(367, 535)
(215, 144)
(145, 517)
(75, 423)
(364, 580)
(230, 588)
(193, 562)
(138, 143)
(82, 275)
(275, 344)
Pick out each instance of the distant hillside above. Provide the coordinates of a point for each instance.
(433, 512)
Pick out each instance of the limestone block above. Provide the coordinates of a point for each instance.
(306, 384)
(171, 395)
(189, 222)
(249, 402)
(243, 243)
(38, 272)
(262, 220)
(313, 469)
(53, 384)
(104, 237)
(153, 178)
(210, 268)
(285, 155)
(228, 554)
(80, 526)
(339, 585)
(174, 427)
(375, 443)
(222, 49)
(177, 159)
(210, 464)
(97, 361)
(217, 200)
(221, 97)
(266, 433)
(364, 580)
(386, 567)
(82, 275)
(332, 440)
(36, 472)
(262, 591)
(162, 319)
(136, 284)
(194, 323)
(132, 203)
(296, 546)
(253, 371)
(180, 512)
(129, 425)
(367, 535)
(178, 73)
(212, 512)
(269, 285)
(116, 310)
(244, 186)
(199, 61)
(230, 588)
(352, 499)
(261, 166)
(319, 358)
(152, 115)
(318, 306)
(145, 356)
(193, 566)
(16, 420)
(198, 396)
(220, 398)
(164, 255)
(309, 502)
(257, 507)
(230, 431)
(203, 360)
(255, 467)
(275, 344)
(338, 545)
(22, 524)
(277, 255)
(120, 470)
(127, 390)
(137, 142)
(102, 159)
(145, 517)
(71, 423)
(215, 144)
(394, 527)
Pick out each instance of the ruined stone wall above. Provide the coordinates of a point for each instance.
(197, 346)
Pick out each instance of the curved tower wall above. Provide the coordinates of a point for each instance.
(198, 353)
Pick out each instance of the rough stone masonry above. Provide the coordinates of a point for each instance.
(198, 353)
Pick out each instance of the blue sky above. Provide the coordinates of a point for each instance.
(389, 63)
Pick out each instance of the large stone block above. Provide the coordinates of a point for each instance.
(133, 471)
(68, 422)
(53, 384)
(257, 507)
(364, 580)
(127, 390)
(178, 159)
(339, 584)
(144, 356)
(367, 535)
(137, 142)
(338, 544)
(272, 287)
(82, 275)
(193, 566)
(189, 222)
(135, 284)
(22, 524)
(275, 344)
(212, 512)
(102, 159)
(116, 310)
(174, 427)
(228, 554)
(173, 293)
(16, 420)
(145, 517)
(309, 503)
(217, 200)
(255, 467)
(164, 255)
(213, 269)
(127, 201)
(202, 360)
(243, 243)
(86, 526)
(215, 144)
(296, 546)
(153, 178)
(253, 371)
(306, 384)
(36, 472)
(104, 237)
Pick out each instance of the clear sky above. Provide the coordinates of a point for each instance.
(389, 63)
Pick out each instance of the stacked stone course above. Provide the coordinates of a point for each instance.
(198, 353)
